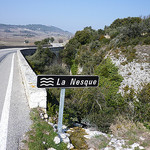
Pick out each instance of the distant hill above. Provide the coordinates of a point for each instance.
(17, 34)
(36, 27)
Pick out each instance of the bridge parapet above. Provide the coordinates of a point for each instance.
(36, 97)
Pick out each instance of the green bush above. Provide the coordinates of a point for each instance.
(147, 40)
(142, 107)
(55, 69)
(129, 53)
(74, 68)
(109, 77)
(41, 58)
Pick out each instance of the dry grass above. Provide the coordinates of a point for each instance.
(9, 39)
(131, 132)
(98, 142)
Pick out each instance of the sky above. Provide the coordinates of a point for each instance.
(71, 15)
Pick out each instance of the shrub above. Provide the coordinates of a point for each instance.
(147, 40)
(55, 69)
(142, 107)
(74, 68)
(41, 58)
(109, 77)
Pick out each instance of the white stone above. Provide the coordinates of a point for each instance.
(142, 139)
(91, 149)
(63, 135)
(64, 127)
(141, 147)
(88, 136)
(135, 145)
(51, 149)
(138, 76)
(70, 146)
(50, 123)
(41, 114)
(93, 133)
(108, 148)
(67, 134)
(45, 116)
(44, 142)
(57, 140)
(66, 140)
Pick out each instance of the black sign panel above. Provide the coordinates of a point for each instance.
(59, 81)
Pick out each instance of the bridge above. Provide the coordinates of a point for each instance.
(31, 49)
(18, 93)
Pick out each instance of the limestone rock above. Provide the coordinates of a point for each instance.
(57, 140)
(51, 149)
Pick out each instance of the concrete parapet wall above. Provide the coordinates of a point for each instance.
(36, 97)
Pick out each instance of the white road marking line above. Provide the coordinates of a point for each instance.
(5, 111)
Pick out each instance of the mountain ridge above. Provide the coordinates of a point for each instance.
(35, 27)
(15, 35)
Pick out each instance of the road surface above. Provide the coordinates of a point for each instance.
(14, 109)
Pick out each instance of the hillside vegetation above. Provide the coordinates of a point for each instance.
(88, 53)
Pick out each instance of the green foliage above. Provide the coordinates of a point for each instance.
(142, 107)
(45, 41)
(125, 21)
(104, 40)
(42, 132)
(89, 57)
(41, 58)
(26, 41)
(144, 95)
(37, 42)
(129, 52)
(109, 77)
(53, 107)
(146, 40)
(52, 39)
(83, 37)
(55, 69)
(68, 54)
(137, 105)
(74, 68)
(77, 138)
(88, 36)
(97, 104)
(102, 105)
(129, 31)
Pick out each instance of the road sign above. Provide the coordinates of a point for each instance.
(59, 81)
(66, 81)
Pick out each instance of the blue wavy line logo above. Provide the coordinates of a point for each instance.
(47, 82)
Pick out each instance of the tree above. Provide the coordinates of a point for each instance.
(109, 78)
(83, 36)
(37, 42)
(41, 58)
(26, 41)
(69, 52)
(125, 22)
(52, 39)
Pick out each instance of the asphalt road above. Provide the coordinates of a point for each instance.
(14, 109)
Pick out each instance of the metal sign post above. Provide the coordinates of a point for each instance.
(59, 81)
(61, 108)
